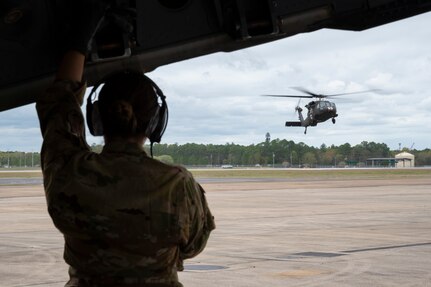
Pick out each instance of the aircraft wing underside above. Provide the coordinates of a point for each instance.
(168, 31)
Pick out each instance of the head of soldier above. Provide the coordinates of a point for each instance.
(128, 107)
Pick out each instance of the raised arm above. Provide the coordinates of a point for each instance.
(85, 17)
(71, 67)
(60, 116)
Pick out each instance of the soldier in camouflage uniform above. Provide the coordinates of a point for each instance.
(127, 219)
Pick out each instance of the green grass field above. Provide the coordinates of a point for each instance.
(20, 174)
(313, 173)
(277, 173)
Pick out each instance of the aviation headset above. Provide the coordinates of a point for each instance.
(157, 124)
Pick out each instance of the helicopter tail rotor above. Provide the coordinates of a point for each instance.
(298, 108)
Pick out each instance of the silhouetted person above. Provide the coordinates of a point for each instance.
(127, 219)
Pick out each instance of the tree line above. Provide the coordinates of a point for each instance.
(19, 159)
(277, 153)
(283, 153)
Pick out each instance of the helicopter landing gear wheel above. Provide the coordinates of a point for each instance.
(333, 120)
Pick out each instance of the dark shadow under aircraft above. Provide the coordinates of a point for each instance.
(167, 31)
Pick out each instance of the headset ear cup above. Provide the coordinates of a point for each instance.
(157, 125)
(89, 115)
(96, 121)
(152, 124)
(161, 123)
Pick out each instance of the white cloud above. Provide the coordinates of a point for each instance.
(394, 58)
(216, 98)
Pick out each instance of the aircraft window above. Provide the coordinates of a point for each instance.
(323, 105)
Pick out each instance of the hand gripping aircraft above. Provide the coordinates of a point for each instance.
(167, 31)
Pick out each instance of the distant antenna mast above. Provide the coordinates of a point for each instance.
(399, 146)
(411, 147)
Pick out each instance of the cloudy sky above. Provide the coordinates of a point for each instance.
(216, 98)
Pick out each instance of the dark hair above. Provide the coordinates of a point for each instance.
(127, 103)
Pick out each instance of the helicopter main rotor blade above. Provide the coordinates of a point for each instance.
(305, 91)
(359, 92)
(287, 96)
(319, 96)
(314, 95)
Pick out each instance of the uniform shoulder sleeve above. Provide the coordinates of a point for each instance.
(61, 122)
(200, 220)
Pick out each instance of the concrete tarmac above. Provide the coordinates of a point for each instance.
(272, 233)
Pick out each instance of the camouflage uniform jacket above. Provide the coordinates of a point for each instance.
(127, 219)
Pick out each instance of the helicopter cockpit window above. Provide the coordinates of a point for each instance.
(322, 105)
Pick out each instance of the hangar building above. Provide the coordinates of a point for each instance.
(405, 159)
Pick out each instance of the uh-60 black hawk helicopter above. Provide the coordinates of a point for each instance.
(319, 110)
